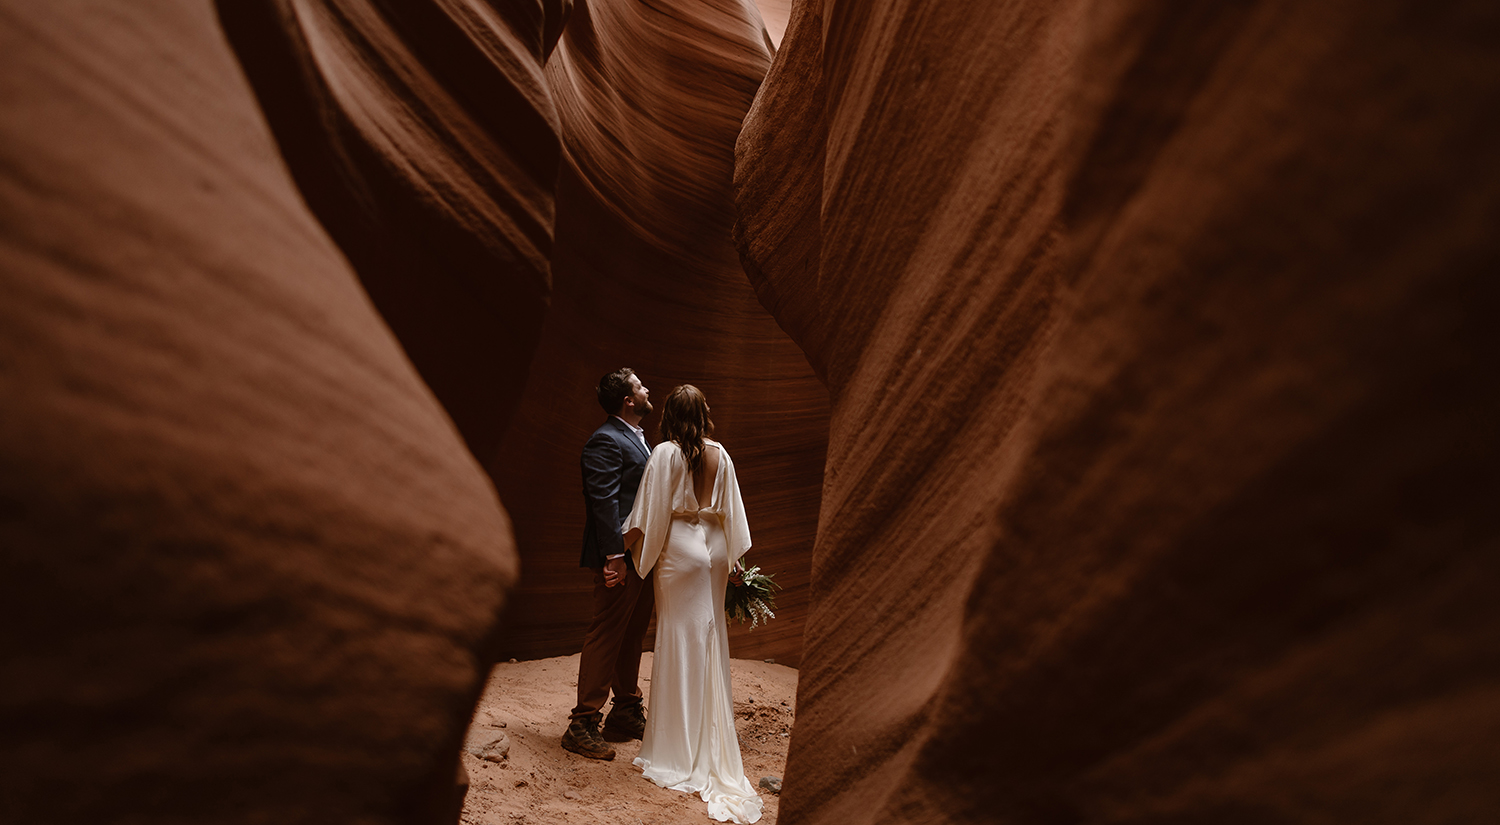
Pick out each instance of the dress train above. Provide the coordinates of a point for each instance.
(690, 743)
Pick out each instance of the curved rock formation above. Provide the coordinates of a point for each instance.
(1159, 441)
(1155, 340)
(250, 571)
(422, 135)
(650, 98)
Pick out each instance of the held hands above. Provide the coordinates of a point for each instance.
(614, 571)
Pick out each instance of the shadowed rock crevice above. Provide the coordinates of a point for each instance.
(230, 498)
(1212, 547)
(650, 100)
(1108, 383)
(423, 138)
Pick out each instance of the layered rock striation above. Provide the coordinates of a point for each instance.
(1154, 339)
(1128, 361)
(424, 139)
(650, 99)
(250, 571)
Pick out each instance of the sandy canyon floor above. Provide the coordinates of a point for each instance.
(539, 783)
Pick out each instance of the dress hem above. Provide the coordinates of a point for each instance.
(744, 810)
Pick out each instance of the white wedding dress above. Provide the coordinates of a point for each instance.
(690, 742)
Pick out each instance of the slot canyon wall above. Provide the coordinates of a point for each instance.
(1159, 343)
(268, 292)
(1140, 353)
(251, 573)
(424, 139)
(427, 140)
(650, 99)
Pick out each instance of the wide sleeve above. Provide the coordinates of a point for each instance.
(732, 510)
(653, 505)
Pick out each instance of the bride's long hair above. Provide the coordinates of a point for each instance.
(684, 420)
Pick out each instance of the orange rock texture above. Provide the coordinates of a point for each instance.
(650, 98)
(423, 138)
(1162, 436)
(1111, 388)
(250, 571)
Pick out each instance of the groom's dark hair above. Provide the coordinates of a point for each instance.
(614, 388)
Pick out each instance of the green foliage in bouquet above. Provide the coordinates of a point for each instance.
(750, 595)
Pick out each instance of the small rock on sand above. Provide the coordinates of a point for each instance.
(771, 784)
(489, 744)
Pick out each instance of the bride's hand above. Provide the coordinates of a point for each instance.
(614, 571)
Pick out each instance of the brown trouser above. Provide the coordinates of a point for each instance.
(611, 657)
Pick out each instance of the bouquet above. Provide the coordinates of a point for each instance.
(750, 595)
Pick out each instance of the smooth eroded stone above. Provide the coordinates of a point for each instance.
(650, 98)
(1157, 340)
(246, 555)
(422, 135)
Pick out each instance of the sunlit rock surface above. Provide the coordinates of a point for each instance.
(645, 275)
(774, 14)
(248, 570)
(1158, 343)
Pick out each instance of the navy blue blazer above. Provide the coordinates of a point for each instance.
(613, 461)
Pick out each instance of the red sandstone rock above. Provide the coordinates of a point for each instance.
(250, 572)
(650, 98)
(1160, 455)
(1157, 341)
(424, 139)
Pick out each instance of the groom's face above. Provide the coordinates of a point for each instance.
(640, 397)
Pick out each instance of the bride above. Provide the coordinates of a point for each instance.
(689, 524)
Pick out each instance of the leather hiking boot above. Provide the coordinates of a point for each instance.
(582, 738)
(625, 722)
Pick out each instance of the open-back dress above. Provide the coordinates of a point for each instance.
(690, 742)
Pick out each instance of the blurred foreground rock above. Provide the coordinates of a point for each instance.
(1149, 350)
(236, 524)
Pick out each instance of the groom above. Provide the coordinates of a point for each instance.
(613, 460)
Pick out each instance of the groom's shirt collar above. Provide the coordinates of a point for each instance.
(639, 433)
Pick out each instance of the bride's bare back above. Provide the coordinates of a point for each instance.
(708, 470)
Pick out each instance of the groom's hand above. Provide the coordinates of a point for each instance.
(614, 571)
